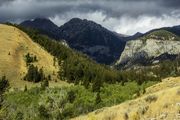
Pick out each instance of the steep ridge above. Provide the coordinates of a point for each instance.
(160, 102)
(152, 48)
(15, 44)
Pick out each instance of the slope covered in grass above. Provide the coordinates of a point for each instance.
(161, 101)
(14, 46)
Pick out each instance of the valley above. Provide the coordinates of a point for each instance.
(42, 78)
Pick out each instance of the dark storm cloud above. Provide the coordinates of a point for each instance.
(105, 12)
(22, 9)
(170, 3)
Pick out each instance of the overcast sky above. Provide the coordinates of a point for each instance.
(122, 16)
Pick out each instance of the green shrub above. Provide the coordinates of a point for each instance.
(44, 84)
(4, 84)
(151, 98)
(71, 96)
(19, 116)
(43, 112)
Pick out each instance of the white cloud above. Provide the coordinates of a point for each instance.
(143, 24)
(124, 25)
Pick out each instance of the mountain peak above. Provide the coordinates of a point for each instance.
(92, 39)
(138, 34)
(76, 20)
(45, 25)
(37, 22)
(83, 22)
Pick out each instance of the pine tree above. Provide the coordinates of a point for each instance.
(34, 75)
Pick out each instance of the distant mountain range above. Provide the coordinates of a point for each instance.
(101, 44)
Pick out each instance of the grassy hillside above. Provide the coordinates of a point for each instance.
(15, 44)
(161, 101)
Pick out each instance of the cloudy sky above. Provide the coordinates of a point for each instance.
(122, 16)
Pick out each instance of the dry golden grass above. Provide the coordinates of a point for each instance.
(162, 102)
(14, 45)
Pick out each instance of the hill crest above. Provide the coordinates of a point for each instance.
(15, 44)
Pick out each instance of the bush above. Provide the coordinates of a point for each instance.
(43, 112)
(98, 98)
(151, 98)
(44, 84)
(19, 116)
(4, 84)
(126, 117)
(71, 96)
(25, 88)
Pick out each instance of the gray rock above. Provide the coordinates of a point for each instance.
(141, 50)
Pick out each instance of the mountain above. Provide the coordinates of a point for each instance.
(175, 30)
(15, 45)
(133, 37)
(150, 49)
(85, 36)
(92, 39)
(45, 26)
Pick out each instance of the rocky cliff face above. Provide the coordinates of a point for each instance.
(152, 48)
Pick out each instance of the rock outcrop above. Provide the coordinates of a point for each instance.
(152, 48)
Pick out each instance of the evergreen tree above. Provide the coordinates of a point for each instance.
(34, 75)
